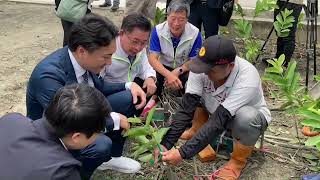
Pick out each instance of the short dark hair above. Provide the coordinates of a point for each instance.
(78, 108)
(92, 32)
(136, 20)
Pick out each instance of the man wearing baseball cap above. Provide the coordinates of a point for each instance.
(229, 89)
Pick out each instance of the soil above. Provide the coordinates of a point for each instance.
(29, 32)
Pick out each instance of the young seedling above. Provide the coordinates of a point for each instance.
(146, 136)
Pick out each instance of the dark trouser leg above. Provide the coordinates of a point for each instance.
(195, 15)
(117, 142)
(210, 21)
(160, 81)
(286, 45)
(121, 102)
(93, 155)
(66, 25)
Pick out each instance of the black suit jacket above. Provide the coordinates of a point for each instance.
(31, 150)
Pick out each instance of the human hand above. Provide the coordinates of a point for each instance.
(124, 123)
(150, 85)
(173, 81)
(157, 152)
(172, 156)
(138, 93)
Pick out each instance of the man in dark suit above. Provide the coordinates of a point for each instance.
(38, 150)
(91, 45)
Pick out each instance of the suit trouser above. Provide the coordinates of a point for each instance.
(202, 14)
(108, 145)
(146, 7)
(66, 25)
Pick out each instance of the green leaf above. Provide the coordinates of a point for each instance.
(281, 59)
(318, 146)
(273, 70)
(138, 131)
(309, 156)
(279, 18)
(142, 139)
(285, 105)
(272, 62)
(312, 141)
(145, 157)
(284, 21)
(311, 123)
(275, 78)
(158, 135)
(300, 20)
(289, 74)
(317, 78)
(294, 83)
(239, 10)
(308, 114)
(150, 115)
(142, 149)
(285, 30)
(134, 120)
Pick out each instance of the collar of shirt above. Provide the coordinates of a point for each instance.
(175, 41)
(120, 52)
(78, 70)
(63, 144)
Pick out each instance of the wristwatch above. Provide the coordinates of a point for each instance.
(180, 71)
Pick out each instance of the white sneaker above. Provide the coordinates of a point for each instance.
(121, 164)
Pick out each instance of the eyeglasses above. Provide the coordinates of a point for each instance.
(136, 42)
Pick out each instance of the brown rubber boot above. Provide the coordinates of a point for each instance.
(237, 162)
(207, 154)
(200, 117)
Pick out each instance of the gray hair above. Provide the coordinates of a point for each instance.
(179, 6)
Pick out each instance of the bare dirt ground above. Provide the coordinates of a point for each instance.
(29, 32)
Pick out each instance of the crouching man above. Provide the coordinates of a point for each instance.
(130, 61)
(41, 149)
(229, 89)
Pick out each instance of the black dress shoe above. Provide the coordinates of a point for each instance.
(105, 4)
(114, 8)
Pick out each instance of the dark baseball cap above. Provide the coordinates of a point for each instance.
(216, 50)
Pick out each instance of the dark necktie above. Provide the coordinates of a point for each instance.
(85, 78)
(131, 58)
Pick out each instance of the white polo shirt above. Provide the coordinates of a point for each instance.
(242, 88)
